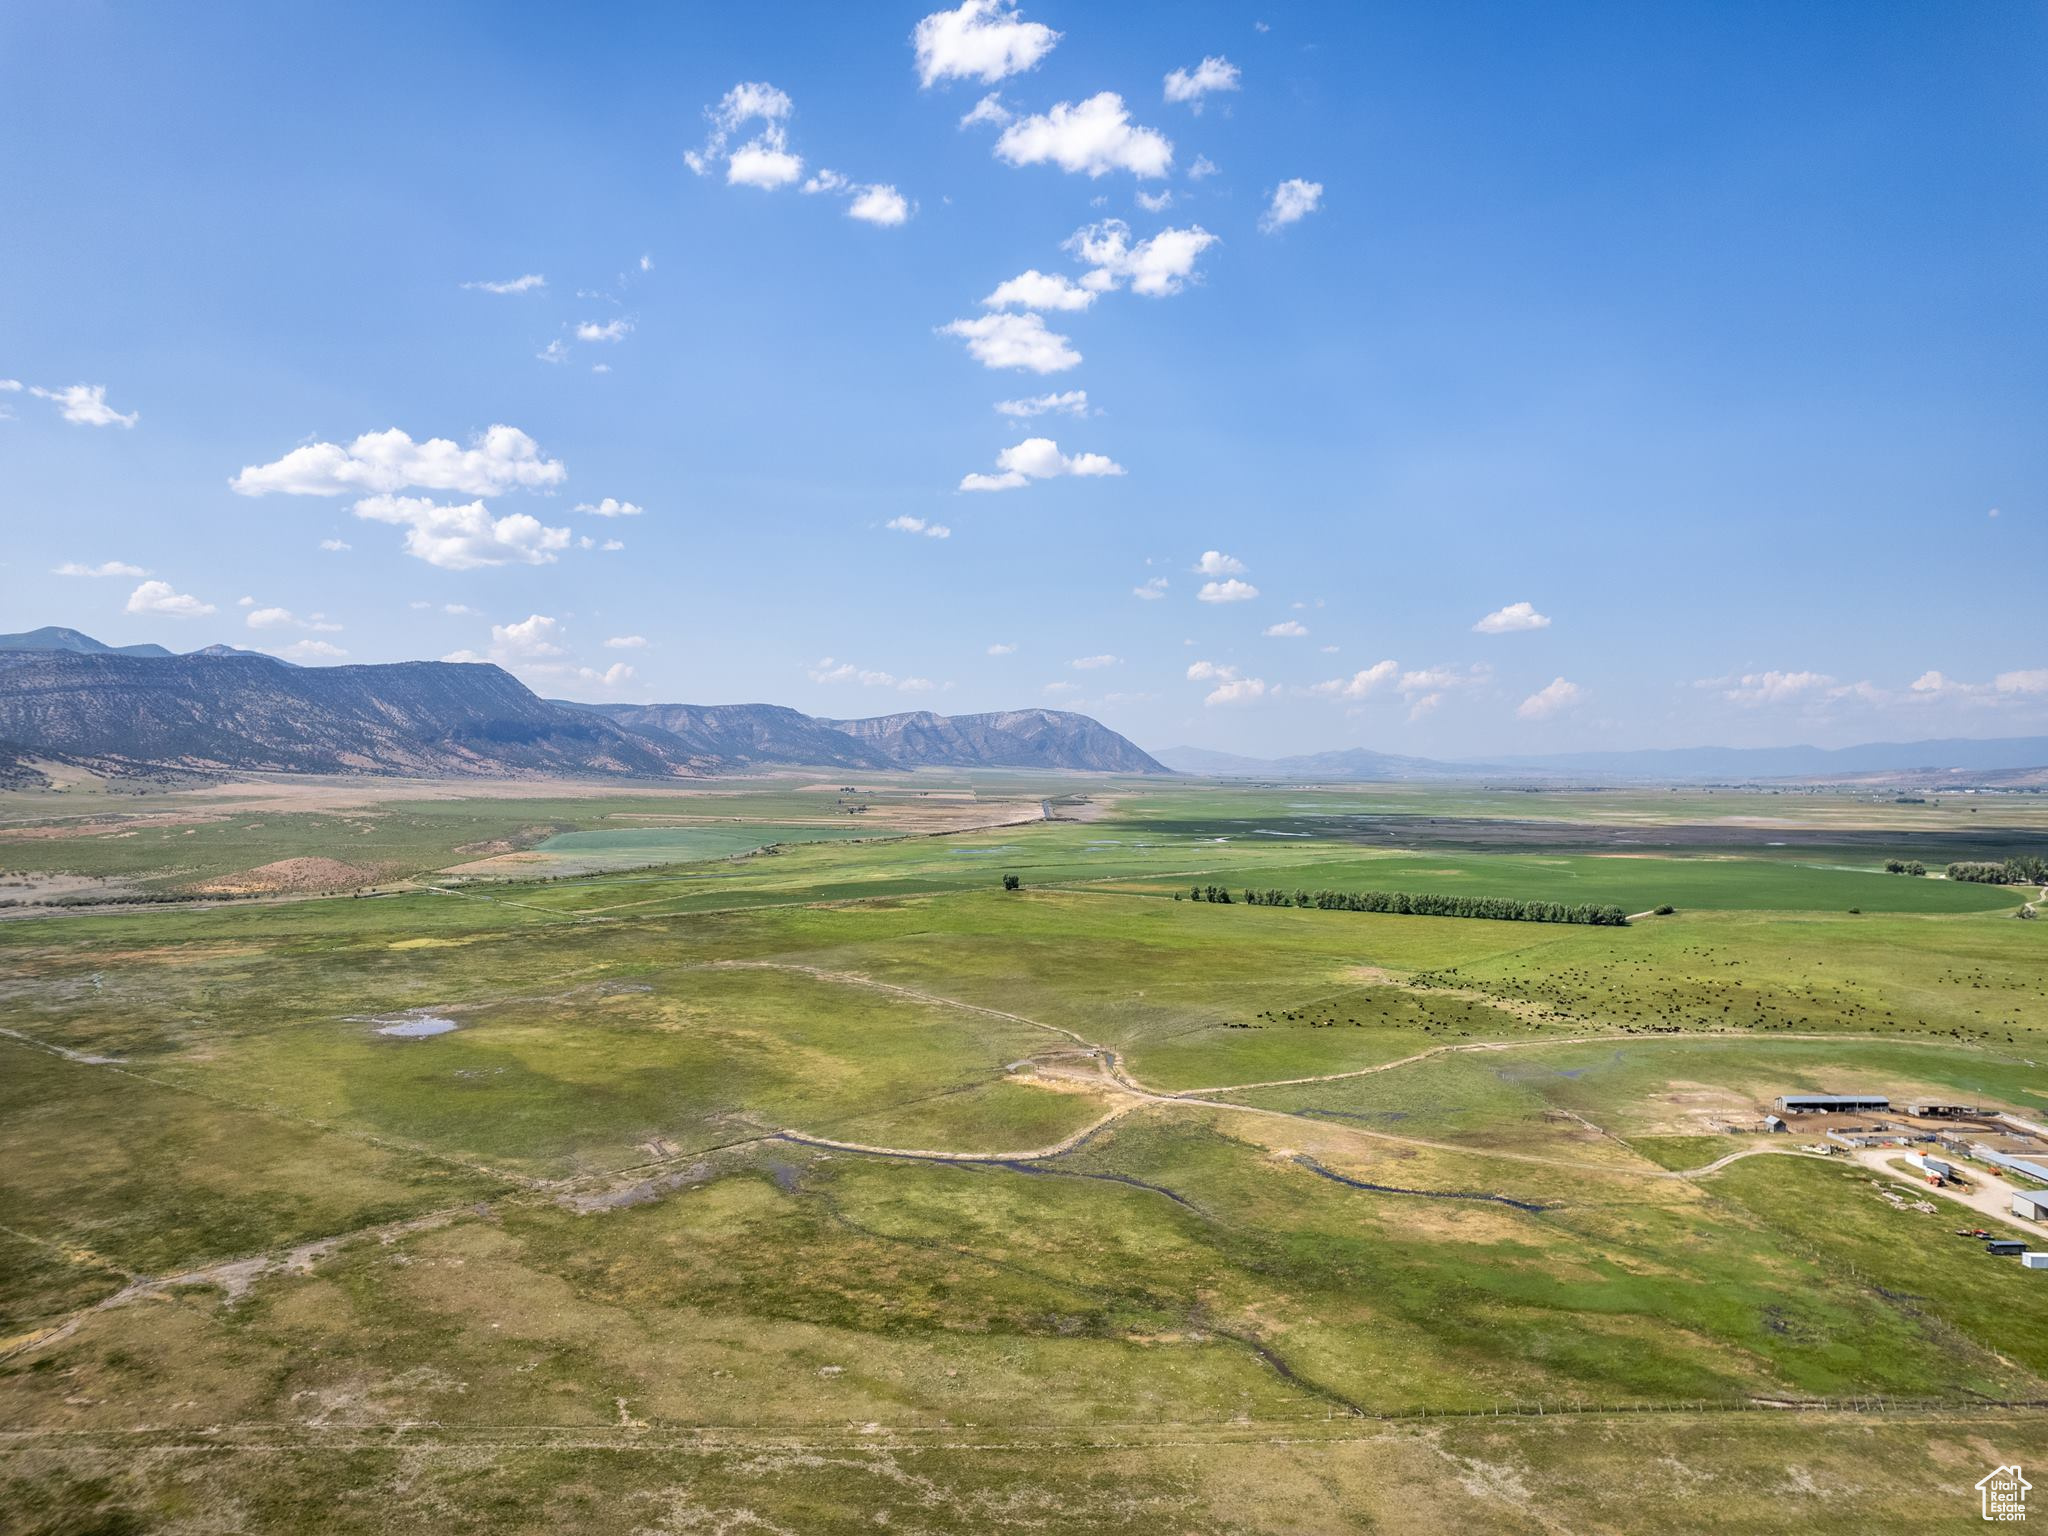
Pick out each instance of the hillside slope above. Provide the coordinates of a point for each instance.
(742, 735)
(239, 713)
(1014, 738)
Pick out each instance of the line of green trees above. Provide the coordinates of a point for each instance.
(1904, 867)
(1505, 909)
(2018, 869)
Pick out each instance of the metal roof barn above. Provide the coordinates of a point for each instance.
(1811, 1103)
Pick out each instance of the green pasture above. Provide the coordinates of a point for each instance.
(572, 1226)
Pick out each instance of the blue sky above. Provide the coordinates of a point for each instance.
(1696, 346)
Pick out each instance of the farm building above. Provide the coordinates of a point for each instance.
(1773, 1123)
(2025, 1168)
(1944, 1111)
(1830, 1103)
(2034, 1260)
(1931, 1165)
(2032, 1205)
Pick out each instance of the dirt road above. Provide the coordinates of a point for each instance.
(1985, 1193)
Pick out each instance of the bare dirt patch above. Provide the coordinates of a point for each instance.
(291, 877)
(507, 865)
(1695, 1109)
(105, 824)
(37, 885)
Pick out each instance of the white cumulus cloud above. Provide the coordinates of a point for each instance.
(989, 109)
(762, 164)
(85, 405)
(1040, 290)
(1239, 690)
(1156, 267)
(1152, 591)
(609, 507)
(1506, 621)
(1549, 699)
(526, 284)
(1072, 402)
(1191, 85)
(764, 161)
(909, 524)
(1755, 689)
(1231, 591)
(465, 537)
(1094, 663)
(536, 635)
(1232, 686)
(609, 330)
(626, 643)
(1039, 458)
(985, 40)
(1293, 200)
(1287, 629)
(1005, 340)
(870, 202)
(161, 600)
(1092, 137)
(104, 568)
(501, 459)
(1360, 684)
(832, 670)
(1215, 563)
(879, 204)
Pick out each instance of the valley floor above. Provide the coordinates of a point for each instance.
(836, 1187)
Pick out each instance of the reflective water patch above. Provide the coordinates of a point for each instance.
(415, 1026)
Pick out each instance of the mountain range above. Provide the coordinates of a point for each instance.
(143, 709)
(1949, 755)
(138, 709)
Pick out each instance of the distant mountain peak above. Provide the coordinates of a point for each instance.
(1014, 738)
(55, 637)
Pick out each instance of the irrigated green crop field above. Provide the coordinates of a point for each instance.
(777, 1170)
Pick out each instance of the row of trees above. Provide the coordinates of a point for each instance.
(1423, 904)
(1904, 867)
(2018, 869)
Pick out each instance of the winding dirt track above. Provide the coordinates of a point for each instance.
(1113, 1078)
(1109, 1077)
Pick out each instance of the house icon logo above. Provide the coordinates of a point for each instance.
(2005, 1493)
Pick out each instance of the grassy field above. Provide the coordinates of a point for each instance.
(837, 1188)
